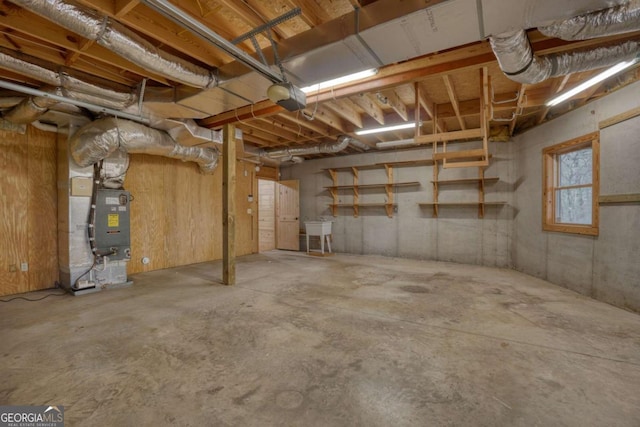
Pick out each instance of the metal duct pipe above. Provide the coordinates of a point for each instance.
(63, 80)
(119, 39)
(100, 138)
(29, 110)
(616, 20)
(326, 147)
(518, 62)
(66, 100)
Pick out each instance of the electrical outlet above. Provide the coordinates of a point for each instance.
(24, 266)
(12, 268)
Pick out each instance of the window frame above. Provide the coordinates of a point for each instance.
(550, 184)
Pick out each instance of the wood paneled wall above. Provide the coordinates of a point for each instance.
(28, 211)
(176, 214)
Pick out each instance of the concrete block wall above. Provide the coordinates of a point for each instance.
(607, 266)
(457, 235)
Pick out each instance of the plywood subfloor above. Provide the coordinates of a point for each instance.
(340, 341)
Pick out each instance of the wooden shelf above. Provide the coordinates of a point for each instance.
(395, 184)
(355, 187)
(462, 203)
(409, 163)
(467, 181)
(362, 205)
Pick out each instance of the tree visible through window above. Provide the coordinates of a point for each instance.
(571, 186)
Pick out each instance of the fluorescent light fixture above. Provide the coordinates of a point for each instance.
(592, 81)
(395, 144)
(341, 80)
(386, 128)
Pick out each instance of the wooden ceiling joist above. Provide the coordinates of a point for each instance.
(393, 100)
(346, 109)
(454, 99)
(370, 106)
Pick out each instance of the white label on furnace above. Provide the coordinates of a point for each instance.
(111, 201)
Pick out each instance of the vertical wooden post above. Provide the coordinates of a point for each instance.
(229, 205)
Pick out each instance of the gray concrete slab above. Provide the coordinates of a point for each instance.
(338, 341)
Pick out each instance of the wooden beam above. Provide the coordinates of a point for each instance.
(478, 54)
(159, 28)
(74, 55)
(345, 108)
(394, 101)
(279, 131)
(454, 99)
(634, 112)
(229, 206)
(247, 14)
(306, 14)
(24, 21)
(426, 103)
(464, 154)
(299, 133)
(314, 126)
(416, 111)
(557, 87)
(122, 7)
(270, 138)
(619, 199)
(450, 136)
(370, 106)
(519, 102)
(325, 116)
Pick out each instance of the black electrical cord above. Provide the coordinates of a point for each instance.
(34, 299)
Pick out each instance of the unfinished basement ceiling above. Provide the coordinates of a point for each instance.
(429, 54)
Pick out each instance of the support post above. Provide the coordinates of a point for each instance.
(229, 205)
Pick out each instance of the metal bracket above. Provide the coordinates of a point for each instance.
(268, 25)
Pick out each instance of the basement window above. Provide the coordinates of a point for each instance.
(571, 185)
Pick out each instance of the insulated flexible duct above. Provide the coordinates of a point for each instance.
(518, 62)
(100, 138)
(616, 20)
(29, 110)
(326, 147)
(32, 108)
(63, 80)
(110, 34)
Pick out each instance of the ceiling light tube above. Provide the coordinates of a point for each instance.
(395, 144)
(592, 81)
(341, 80)
(386, 128)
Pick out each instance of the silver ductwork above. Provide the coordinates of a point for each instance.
(616, 20)
(64, 85)
(518, 62)
(112, 35)
(324, 148)
(29, 110)
(63, 80)
(100, 138)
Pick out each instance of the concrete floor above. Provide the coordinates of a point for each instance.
(338, 341)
